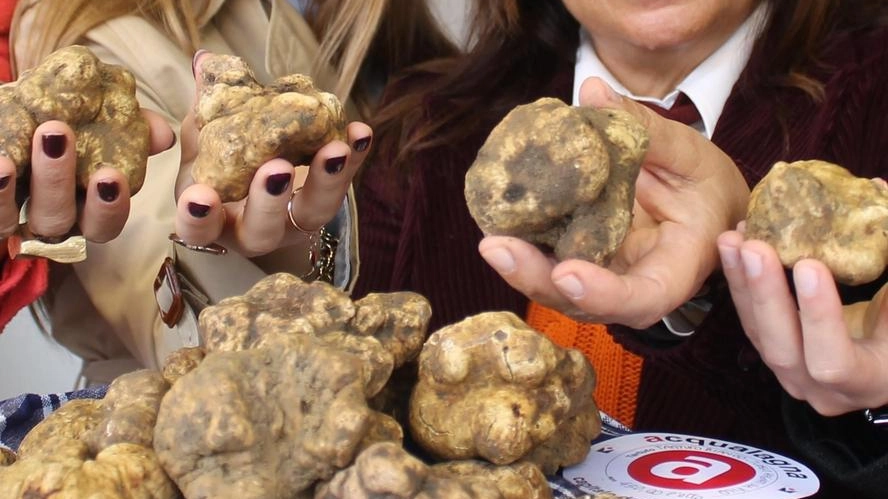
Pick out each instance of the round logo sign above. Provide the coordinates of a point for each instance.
(656, 465)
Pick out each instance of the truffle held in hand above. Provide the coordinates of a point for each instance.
(816, 209)
(559, 176)
(97, 100)
(244, 124)
(492, 387)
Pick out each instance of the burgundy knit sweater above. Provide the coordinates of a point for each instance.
(418, 235)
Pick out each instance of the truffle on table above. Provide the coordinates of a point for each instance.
(491, 387)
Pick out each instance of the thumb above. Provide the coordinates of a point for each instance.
(674, 147)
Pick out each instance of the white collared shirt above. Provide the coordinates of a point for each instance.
(709, 84)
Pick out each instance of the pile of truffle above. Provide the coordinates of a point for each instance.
(297, 391)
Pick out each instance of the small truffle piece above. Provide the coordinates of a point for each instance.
(97, 100)
(816, 209)
(559, 176)
(181, 362)
(243, 124)
(491, 387)
(386, 470)
(7, 457)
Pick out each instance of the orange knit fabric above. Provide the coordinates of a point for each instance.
(618, 371)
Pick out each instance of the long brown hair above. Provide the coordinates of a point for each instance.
(387, 35)
(518, 41)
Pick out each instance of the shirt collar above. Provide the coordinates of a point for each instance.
(708, 85)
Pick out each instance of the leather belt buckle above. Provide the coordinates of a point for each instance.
(168, 293)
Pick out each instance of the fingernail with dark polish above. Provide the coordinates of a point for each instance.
(54, 144)
(276, 184)
(335, 165)
(4, 181)
(198, 210)
(108, 191)
(361, 145)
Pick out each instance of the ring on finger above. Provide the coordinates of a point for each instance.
(311, 234)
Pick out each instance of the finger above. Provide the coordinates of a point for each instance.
(52, 209)
(524, 267)
(9, 210)
(830, 354)
(729, 244)
(161, 135)
(644, 294)
(264, 221)
(200, 216)
(672, 145)
(106, 206)
(329, 177)
(189, 137)
(775, 313)
(196, 68)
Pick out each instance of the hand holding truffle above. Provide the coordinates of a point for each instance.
(245, 141)
(687, 192)
(73, 130)
(829, 227)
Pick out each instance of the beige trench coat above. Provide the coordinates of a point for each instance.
(104, 309)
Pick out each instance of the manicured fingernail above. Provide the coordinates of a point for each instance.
(276, 184)
(108, 191)
(752, 263)
(54, 144)
(194, 59)
(335, 165)
(806, 280)
(730, 257)
(198, 210)
(500, 259)
(4, 181)
(570, 287)
(361, 145)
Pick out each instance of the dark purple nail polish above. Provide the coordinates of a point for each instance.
(108, 191)
(4, 181)
(54, 144)
(361, 145)
(198, 210)
(276, 184)
(335, 165)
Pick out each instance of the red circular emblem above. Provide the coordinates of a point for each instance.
(690, 470)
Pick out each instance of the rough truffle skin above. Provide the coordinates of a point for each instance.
(559, 176)
(97, 100)
(243, 124)
(267, 422)
(491, 387)
(816, 209)
(384, 330)
(385, 470)
(94, 448)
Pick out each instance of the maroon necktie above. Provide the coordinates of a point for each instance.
(683, 110)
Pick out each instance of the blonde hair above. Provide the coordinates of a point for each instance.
(346, 28)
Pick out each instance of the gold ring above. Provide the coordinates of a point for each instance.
(212, 248)
(312, 234)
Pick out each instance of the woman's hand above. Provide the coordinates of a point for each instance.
(688, 192)
(833, 357)
(53, 207)
(260, 223)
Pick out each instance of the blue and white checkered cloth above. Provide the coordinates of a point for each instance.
(20, 414)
